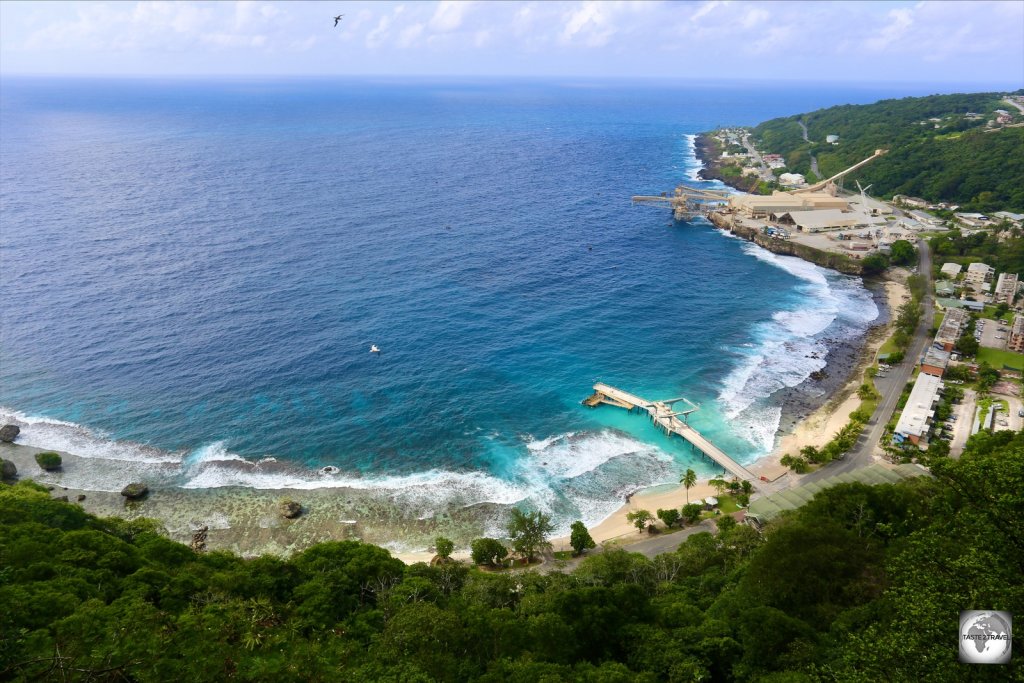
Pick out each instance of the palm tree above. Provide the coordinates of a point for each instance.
(688, 480)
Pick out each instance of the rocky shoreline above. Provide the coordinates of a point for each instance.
(844, 358)
(709, 153)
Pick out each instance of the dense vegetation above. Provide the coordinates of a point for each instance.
(957, 162)
(863, 584)
(1003, 252)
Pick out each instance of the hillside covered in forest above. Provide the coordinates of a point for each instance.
(864, 583)
(958, 149)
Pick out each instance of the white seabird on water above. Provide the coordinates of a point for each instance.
(374, 349)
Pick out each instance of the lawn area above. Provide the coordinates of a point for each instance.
(990, 312)
(888, 347)
(998, 359)
(869, 405)
(727, 504)
(937, 320)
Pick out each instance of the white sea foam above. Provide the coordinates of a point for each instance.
(694, 172)
(791, 345)
(59, 435)
(569, 455)
(571, 475)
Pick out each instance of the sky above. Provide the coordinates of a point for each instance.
(900, 42)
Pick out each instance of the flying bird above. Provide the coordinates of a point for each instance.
(337, 19)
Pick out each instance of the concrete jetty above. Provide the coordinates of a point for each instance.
(665, 416)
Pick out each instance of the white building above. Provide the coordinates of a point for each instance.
(1006, 288)
(916, 418)
(927, 219)
(1015, 218)
(978, 274)
(973, 220)
(832, 139)
(950, 270)
(825, 219)
(792, 179)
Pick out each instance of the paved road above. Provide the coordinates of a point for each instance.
(1015, 419)
(651, 546)
(964, 412)
(814, 159)
(804, 129)
(666, 543)
(766, 173)
(890, 387)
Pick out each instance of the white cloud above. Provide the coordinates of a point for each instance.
(377, 36)
(449, 15)
(590, 23)
(705, 9)
(898, 24)
(905, 40)
(234, 40)
(408, 36)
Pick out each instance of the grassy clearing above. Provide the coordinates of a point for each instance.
(888, 347)
(998, 359)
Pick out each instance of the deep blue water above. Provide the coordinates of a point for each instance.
(193, 274)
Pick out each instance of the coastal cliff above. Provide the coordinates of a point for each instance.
(709, 152)
(825, 259)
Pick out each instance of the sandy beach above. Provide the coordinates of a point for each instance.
(816, 429)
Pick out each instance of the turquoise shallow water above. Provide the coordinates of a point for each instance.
(193, 274)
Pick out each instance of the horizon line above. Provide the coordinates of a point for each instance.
(520, 77)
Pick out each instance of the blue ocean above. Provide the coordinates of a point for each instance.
(193, 274)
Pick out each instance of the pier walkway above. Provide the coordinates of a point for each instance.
(663, 415)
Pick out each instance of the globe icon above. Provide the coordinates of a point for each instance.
(985, 637)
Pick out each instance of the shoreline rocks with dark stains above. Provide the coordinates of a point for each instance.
(838, 262)
(8, 433)
(709, 153)
(135, 491)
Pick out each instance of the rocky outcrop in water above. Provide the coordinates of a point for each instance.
(290, 509)
(198, 543)
(8, 470)
(8, 433)
(49, 460)
(135, 491)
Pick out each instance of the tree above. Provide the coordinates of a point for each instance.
(444, 547)
(688, 480)
(725, 523)
(639, 519)
(987, 376)
(670, 517)
(580, 539)
(795, 463)
(691, 512)
(487, 551)
(967, 345)
(719, 484)
(903, 253)
(529, 532)
(873, 264)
